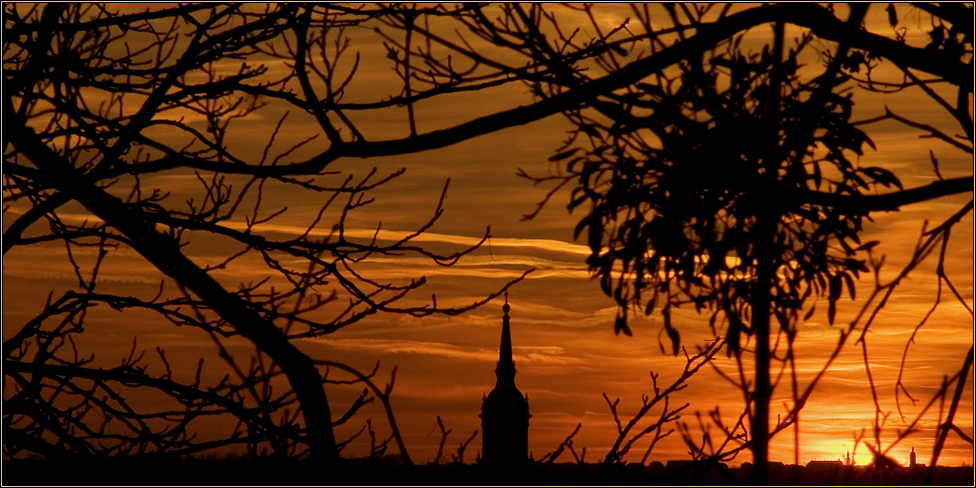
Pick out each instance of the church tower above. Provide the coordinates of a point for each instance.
(505, 412)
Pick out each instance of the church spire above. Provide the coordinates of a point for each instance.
(505, 370)
(505, 412)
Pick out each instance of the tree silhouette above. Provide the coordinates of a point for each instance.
(102, 105)
(713, 175)
(725, 177)
(743, 203)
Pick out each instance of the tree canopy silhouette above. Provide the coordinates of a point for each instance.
(722, 174)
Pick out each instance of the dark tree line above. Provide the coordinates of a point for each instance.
(710, 175)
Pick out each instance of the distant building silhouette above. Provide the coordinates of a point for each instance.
(822, 466)
(505, 412)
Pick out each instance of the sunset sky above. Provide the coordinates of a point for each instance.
(566, 352)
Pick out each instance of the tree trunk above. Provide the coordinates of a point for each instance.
(765, 235)
(163, 251)
(759, 425)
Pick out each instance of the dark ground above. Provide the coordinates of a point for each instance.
(133, 472)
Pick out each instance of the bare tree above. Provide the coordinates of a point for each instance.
(101, 104)
(951, 35)
(630, 433)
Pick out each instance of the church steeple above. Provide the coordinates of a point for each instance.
(505, 412)
(505, 369)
